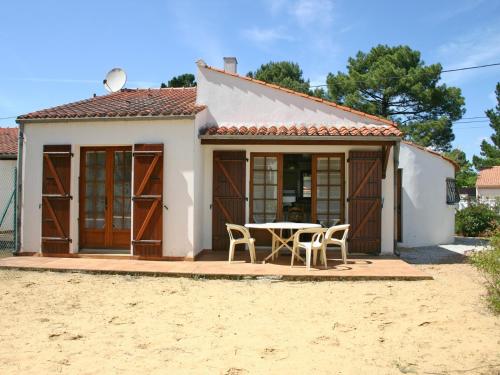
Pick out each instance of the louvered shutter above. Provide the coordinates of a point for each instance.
(56, 196)
(148, 200)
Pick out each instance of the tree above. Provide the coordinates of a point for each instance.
(394, 82)
(183, 80)
(282, 73)
(490, 152)
(466, 176)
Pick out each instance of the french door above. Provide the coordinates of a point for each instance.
(105, 197)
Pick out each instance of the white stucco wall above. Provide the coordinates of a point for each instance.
(7, 168)
(488, 193)
(426, 218)
(205, 231)
(235, 101)
(178, 187)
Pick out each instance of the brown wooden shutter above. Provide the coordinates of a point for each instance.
(148, 200)
(365, 201)
(56, 182)
(228, 194)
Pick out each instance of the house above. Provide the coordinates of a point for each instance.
(157, 173)
(8, 160)
(488, 186)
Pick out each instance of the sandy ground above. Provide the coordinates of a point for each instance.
(99, 324)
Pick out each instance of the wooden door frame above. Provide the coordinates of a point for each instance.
(279, 157)
(109, 185)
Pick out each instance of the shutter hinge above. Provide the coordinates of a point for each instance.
(348, 160)
(246, 159)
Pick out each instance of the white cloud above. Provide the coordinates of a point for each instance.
(266, 36)
(478, 48)
(307, 12)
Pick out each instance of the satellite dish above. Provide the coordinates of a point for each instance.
(115, 80)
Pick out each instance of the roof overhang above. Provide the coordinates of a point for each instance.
(298, 140)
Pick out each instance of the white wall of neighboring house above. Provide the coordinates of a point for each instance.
(488, 193)
(206, 170)
(7, 168)
(426, 218)
(179, 181)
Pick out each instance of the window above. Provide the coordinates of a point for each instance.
(328, 177)
(452, 196)
(264, 188)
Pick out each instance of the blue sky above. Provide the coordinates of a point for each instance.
(54, 52)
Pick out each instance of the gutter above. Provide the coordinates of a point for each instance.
(89, 119)
(374, 138)
(19, 192)
(8, 156)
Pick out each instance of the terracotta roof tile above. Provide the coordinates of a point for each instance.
(126, 103)
(303, 130)
(316, 99)
(489, 177)
(8, 141)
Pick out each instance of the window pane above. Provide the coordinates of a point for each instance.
(334, 178)
(259, 218)
(271, 177)
(258, 206)
(322, 192)
(334, 164)
(258, 191)
(272, 192)
(259, 162)
(322, 178)
(271, 163)
(335, 192)
(322, 207)
(258, 177)
(271, 206)
(322, 164)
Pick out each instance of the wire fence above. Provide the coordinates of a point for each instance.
(8, 202)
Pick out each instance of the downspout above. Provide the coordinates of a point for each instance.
(19, 201)
(395, 183)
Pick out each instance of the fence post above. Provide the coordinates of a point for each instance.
(15, 250)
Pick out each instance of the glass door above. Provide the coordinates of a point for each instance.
(328, 189)
(105, 197)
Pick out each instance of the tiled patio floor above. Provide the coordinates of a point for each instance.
(215, 265)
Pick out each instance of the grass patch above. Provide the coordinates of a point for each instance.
(488, 262)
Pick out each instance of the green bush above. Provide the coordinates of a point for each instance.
(475, 220)
(488, 262)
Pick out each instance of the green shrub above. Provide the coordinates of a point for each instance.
(488, 262)
(475, 220)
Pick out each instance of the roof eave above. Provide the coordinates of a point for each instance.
(117, 118)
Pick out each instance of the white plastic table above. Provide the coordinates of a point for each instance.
(276, 228)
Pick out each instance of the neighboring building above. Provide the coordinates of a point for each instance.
(426, 214)
(488, 186)
(157, 173)
(8, 160)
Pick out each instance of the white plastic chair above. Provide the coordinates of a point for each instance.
(329, 240)
(313, 246)
(244, 239)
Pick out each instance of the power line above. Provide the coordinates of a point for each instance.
(442, 71)
(468, 122)
(6, 118)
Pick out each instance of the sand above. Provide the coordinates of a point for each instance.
(73, 323)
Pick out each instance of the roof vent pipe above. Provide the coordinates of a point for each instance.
(230, 64)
